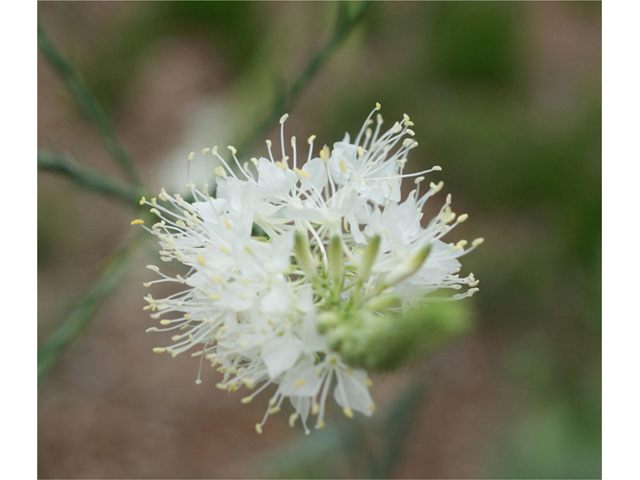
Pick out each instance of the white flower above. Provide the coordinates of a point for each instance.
(340, 243)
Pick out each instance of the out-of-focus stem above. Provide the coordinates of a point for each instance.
(397, 428)
(345, 24)
(82, 313)
(88, 178)
(89, 105)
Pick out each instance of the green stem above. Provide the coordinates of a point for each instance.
(89, 105)
(62, 337)
(345, 24)
(356, 444)
(397, 428)
(89, 178)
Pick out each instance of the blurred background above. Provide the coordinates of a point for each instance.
(506, 97)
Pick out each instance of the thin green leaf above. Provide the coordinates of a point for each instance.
(88, 178)
(88, 104)
(345, 24)
(62, 337)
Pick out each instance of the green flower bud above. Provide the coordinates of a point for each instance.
(368, 257)
(335, 258)
(408, 267)
(381, 342)
(303, 255)
(384, 302)
(327, 320)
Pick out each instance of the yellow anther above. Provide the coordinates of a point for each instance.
(221, 386)
(146, 284)
(254, 160)
(248, 249)
(191, 155)
(274, 410)
(138, 221)
(372, 407)
(282, 165)
(436, 168)
(200, 259)
(311, 139)
(283, 118)
(227, 224)
(347, 412)
(159, 350)
(461, 243)
(247, 383)
(214, 296)
(217, 279)
(462, 218)
(325, 153)
(302, 173)
(233, 149)
(378, 106)
(142, 200)
(315, 409)
(220, 171)
(268, 142)
(343, 166)
(438, 187)
(292, 419)
(205, 150)
(258, 428)
(190, 186)
(368, 382)
(272, 401)
(360, 151)
(165, 321)
(299, 383)
(293, 141)
(246, 400)
(224, 249)
(477, 241)
(320, 425)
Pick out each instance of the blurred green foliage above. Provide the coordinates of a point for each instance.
(476, 42)
(235, 25)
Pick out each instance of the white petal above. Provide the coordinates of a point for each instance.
(352, 391)
(280, 354)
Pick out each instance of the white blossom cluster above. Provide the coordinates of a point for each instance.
(286, 250)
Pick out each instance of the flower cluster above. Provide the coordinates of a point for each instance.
(295, 263)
